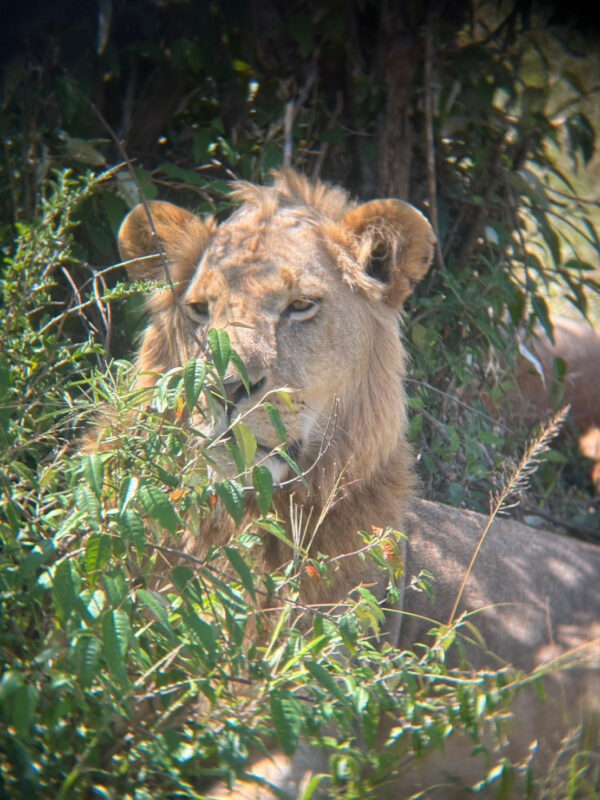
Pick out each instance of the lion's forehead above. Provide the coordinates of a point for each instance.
(281, 256)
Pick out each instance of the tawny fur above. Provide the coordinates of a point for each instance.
(578, 346)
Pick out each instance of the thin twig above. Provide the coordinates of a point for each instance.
(431, 177)
(333, 121)
(156, 241)
(291, 110)
(288, 126)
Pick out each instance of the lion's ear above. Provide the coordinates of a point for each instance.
(181, 236)
(393, 243)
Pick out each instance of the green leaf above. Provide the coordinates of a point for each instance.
(115, 640)
(159, 507)
(94, 602)
(240, 566)
(156, 606)
(167, 390)
(131, 527)
(290, 461)
(237, 455)
(373, 603)
(86, 500)
(348, 626)
(185, 175)
(312, 786)
(127, 492)
(88, 654)
(263, 486)
(116, 585)
(246, 442)
(232, 495)
(275, 529)
(194, 375)
(93, 471)
(322, 676)
(24, 703)
(287, 718)
(540, 309)
(220, 349)
(276, 421)
(63, 591)
(18, 700)
(203, 632)
(183, 577)
(97, 553)
(241, 368)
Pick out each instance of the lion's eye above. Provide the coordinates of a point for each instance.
(303, 309)
(198, 311)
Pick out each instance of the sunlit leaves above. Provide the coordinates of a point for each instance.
(93, 471)
(220, 350)
(158, 506)
(87, 501)
(63, 590)
(262, 481)
(232, 495)
(194, 376)
(142, 624)
(131, 527)
(288, 718)
(128, 491)
(97, 554)
(276, 421)
(242, 569)
(157, 606)
(246, 442)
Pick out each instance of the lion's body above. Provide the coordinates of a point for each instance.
(578, 346)
(540, 393)
(309, 288)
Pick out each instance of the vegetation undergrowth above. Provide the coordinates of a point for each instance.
(133, 670)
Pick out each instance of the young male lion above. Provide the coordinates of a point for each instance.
(309, 287)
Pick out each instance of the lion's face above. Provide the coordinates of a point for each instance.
(275, 289)
(309, 294)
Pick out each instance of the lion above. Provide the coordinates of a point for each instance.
(310, 287)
